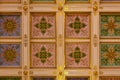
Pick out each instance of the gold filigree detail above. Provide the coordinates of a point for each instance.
(95, 7)
(60, 39)
(95, 40)
(25, 40)
(25, 7)
(95, 73)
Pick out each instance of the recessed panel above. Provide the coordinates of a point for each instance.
(109, 55)
(43, 55)
(110, 26)
(10, 25)
(43, 25)
(77, 25)
(77, 55)
(10, 55)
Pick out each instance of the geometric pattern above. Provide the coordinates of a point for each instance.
(10, 25)
(43, 79)
(77, 78)
(77, 0)
(110, 26)
(43, 55)
(10, 78)
(10, 1)
(109, 54)
(77, 55)
(77, 25)
(110, 78)
(10, 55)
(43, 25)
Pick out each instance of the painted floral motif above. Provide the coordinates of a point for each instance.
(43, 55)
(77, 55)
(7, 1)
(110, 78)
(10, 25)
(110, 25)
(110, 55)
(43, 79)
(43, 26)
(77, 0)
(77, 78)
(9, 54)
(10, 78)
(77, 26)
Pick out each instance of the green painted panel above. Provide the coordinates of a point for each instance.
(110, 26)
(109, 54)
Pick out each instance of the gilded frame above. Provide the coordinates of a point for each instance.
(89, 55)
(14, 67)
(108, 67)
(85, 13)
(21, 27)
(55, 55)
(53, 13)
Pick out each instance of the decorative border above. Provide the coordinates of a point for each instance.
(16, 67)
(44, 14)
(78, 2)
(43, 2)
(13, 37)
(107, 13)
(45, 67)
(110, 67)
(85, 13)
(89, 55)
